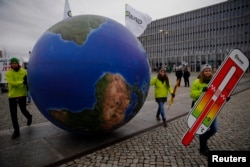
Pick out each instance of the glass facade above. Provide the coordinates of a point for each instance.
(200, 36)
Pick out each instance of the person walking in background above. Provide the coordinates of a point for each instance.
(162, 88)
(28, 97)
(17, 85)
(28, 92)
(178, 75)
(186, 76)
(198, 86)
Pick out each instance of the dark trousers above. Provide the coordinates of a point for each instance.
(21, 101)
(186, 81)
(204, 137)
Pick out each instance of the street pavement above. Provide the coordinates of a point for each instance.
(141, 142)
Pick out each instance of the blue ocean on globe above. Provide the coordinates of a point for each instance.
(88, 74)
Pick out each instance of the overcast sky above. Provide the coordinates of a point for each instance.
(22, 22)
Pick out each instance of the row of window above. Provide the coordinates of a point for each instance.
(206, 15)
(217, 37)
(180, 49)
(200, 46)
(233, 27)
(242, 23)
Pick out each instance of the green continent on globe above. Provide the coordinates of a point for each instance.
(113, 97)
(77, 29)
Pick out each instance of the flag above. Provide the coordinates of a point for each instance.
(67, 11)
(136, 21)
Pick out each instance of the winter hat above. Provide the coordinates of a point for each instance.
(14, 60)
(205, 66)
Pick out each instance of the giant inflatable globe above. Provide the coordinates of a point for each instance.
(88, 74)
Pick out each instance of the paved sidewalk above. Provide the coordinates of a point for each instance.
(162, 147)
(44, 144)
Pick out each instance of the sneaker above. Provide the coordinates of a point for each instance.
(29, 121)
(15, 135)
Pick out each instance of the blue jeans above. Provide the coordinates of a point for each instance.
(204, 137)
(161, 110)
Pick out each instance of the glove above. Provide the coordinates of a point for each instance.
(204, 89)
(173, 95)
(25, 80)
(228, 98)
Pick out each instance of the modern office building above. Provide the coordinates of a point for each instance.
(200, 36)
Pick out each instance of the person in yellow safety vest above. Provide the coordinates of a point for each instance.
(16, 78)
(162, 88)
(199, 86)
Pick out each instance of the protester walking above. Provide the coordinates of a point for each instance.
(198, 86)
(162, 88)
(186, 76)
(17, 92)
(28, 92)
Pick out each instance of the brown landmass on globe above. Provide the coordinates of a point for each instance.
(113, 96)
(115, 102)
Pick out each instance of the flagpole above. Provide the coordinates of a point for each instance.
(164, 34)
